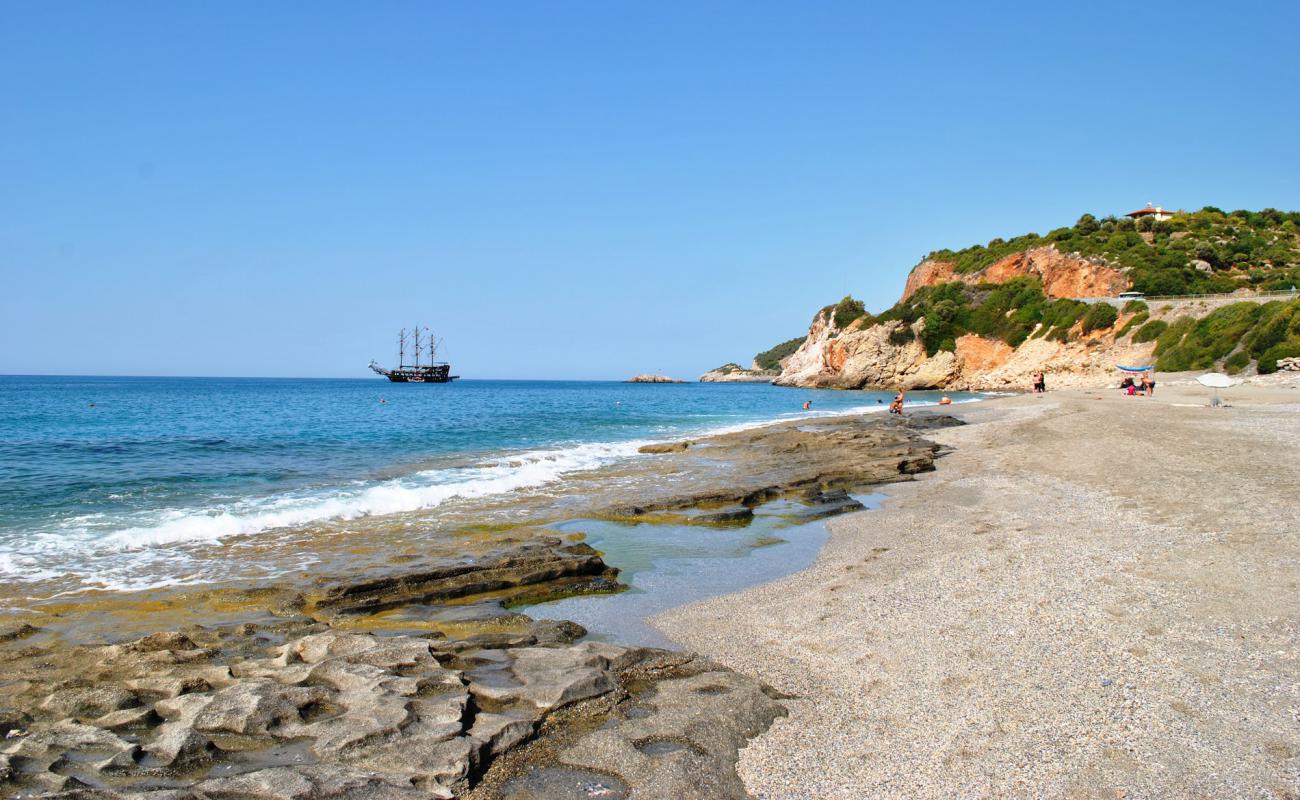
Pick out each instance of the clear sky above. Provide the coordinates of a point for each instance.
(578, 189)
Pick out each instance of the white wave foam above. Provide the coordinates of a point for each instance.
(416, 492)
(88, 547)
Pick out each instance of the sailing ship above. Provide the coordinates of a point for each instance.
(431, 372)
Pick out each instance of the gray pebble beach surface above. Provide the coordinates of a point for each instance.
(1094, 596)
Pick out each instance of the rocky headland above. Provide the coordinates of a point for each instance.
(734, 373)
(891, 355)
(426, 679)
(989, 317)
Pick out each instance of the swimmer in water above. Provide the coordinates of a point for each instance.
(807, 404)
(945, 401)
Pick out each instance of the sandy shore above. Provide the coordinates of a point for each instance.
(1094, 596)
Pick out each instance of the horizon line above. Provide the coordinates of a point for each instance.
(379, 379)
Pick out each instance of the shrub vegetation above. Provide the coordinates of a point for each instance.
(1008, 311)
(1136, 320)
(771, 359)
(1099, 317)
(1242, 248)
(1150, 331)
(1200, 344)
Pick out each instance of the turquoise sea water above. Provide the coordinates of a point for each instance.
(135, 465)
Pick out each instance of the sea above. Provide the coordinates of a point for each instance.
(101, 475)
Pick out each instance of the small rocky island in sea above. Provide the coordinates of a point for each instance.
(648, 378)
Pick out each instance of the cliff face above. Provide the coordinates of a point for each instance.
(1062, 275)
(890, 355)
(863, 358)
(856, 357)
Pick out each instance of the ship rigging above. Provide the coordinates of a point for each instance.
(432, 372)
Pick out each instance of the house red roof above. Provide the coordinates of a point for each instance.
(1142, 212)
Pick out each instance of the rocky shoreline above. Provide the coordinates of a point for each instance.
(427, 680)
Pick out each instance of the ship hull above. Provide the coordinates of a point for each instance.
(421, 379)
(438, 373)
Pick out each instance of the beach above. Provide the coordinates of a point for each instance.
(1093, 596)
(1081, 594)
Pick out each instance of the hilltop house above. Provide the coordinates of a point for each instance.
(1159, 213)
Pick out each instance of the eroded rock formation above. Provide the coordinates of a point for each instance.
(301, 711)
(876, 357)
(1062, 274)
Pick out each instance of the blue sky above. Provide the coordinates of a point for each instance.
(578, 189)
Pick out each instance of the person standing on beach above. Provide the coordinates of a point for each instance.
(807, 404)
(896, 407)
(1040, 382)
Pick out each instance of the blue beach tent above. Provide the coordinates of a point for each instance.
(1135, 369)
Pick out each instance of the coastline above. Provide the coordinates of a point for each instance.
(408, 665)
(1088, 598)
(279, 514)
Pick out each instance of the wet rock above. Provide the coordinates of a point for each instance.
(747, 468)
(491, 641)
(126, 718)
(564, 783)
(166, 640)
(12, 719)
(14, 632)
(249, 708)
(174, 685)
(336, 714)
(549, 678)
(176, 743)
(688, 746)
(820, 503)
(931, 422)
(88, 701)
(553, 632)
(358, 649)
(440, 766)
(500, 732)
(535, 569)
(279, 783)
(730, 514)
(621, 657)
(488, 611)
(44, 755)
(915, 465)
(663, 447)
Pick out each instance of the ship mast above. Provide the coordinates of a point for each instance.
(417, 346)
(401, 349)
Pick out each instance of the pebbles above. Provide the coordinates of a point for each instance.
(1043, 622)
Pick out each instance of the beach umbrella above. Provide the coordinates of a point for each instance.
(1216, 381)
